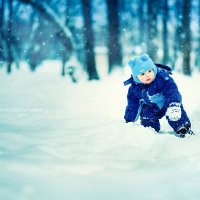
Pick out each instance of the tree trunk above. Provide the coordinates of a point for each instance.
(67, 14)
(165, 18)
(186, 37)
(178, 31)
(152, 9)
(9, 37)
(197, 54)
(142, 22)
(89, 40)
(114, 49)
(2, 41)
(2, 8)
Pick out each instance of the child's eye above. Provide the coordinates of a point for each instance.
(142, 74)
(150, 70)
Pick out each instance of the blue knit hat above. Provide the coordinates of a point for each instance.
(141, 64)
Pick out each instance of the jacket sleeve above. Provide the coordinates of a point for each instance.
(132, 108)
(171, 92)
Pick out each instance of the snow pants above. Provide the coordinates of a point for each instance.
(150, 118)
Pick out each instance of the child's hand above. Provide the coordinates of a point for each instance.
(174, 112)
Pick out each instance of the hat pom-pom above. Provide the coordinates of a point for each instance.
(131, 63)
(144, 57)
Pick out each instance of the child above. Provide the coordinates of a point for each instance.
(154, 94)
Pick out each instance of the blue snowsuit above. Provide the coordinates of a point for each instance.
(150, 101)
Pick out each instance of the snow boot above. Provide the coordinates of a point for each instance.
(183, 130)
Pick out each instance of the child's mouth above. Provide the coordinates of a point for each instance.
(148, 79)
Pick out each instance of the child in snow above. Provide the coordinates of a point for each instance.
(152, 95)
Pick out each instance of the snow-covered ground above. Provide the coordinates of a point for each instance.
(60, 140)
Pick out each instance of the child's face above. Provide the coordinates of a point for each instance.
(147, 77)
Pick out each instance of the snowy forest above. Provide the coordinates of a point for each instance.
(64, 30)
(63, 134)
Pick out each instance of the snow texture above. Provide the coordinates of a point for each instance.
(60, 140)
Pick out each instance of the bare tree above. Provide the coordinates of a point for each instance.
(2, 37)
(178, 30)
(9, 48)
(89, 40)
(197, 53)
(114, 49)
(165, 18)
(186, 37)
(2, 8)
(9, 37)
(142, 21)
(63, 33)
(152, 9)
